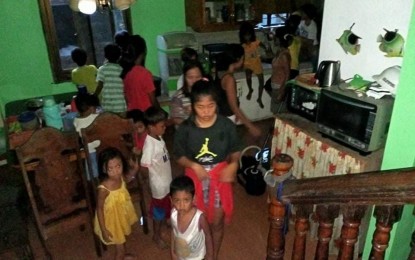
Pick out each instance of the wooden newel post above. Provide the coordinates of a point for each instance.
(281, 166)
(385, 216)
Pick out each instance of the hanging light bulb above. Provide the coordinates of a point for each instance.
(87, 6)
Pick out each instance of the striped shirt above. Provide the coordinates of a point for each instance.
(112, 96)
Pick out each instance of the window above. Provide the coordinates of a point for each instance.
(65, 30)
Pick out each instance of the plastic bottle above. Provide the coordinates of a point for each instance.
(52, 113)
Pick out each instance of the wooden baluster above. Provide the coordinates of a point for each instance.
(352, 216)
(276, 239)
(302, 225)
(325, 216)
(385, 216)
(281, 166)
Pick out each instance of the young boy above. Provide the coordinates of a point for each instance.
(191, 237)
(155, 162)
(110, 85)
(86, 105)
(140, 131)
(84, 75)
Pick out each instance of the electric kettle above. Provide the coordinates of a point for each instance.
(328, 73)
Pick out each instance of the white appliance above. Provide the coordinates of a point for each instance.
(169, 46)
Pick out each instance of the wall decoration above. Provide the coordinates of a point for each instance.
(349, 41)
(391, 43)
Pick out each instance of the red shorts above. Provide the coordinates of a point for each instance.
(160, 208)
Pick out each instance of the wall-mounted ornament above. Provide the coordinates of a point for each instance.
(391, 43)
(349, 41)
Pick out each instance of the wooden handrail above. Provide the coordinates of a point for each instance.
(389, 187)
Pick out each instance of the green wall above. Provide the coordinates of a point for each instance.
(400, 148)
(25, 70)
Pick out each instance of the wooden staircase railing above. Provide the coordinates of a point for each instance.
(347, 194)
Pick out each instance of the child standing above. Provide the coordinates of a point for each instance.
(140, 131)
(110, 82)
(190, 237)
(280, 72)
(155, 162)
(84, 76)
(86, 104)
(252, 62)
(115, 212)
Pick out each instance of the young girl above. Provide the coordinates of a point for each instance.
(190, 236)
(252, 63)
(207, 146)
(180, 103)
(227, 63)
(280, 72)
(115, 212)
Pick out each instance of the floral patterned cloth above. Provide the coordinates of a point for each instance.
(312, 158)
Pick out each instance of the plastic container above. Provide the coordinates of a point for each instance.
(52, 113)
(28, 120)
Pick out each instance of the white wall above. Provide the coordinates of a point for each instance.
(370, 17)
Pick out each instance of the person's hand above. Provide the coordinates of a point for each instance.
(106, 235)
(228, 173)
(200, 171)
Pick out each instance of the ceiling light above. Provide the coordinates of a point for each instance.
(90, 6)
(87, 6)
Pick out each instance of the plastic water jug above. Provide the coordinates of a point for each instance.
(52, 113)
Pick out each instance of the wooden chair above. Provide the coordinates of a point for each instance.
(114, 131)
(51, 163)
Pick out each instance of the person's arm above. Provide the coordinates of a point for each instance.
(99, 88)
(172, 246)
(229, 172)
(102, 195)
(204, 225)
(153, 99)
(229, 84)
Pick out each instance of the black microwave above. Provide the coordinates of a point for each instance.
(360, 122)
(303, 100)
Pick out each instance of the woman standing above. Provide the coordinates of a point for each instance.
(207, 146)
(180, 108)
(228, 62)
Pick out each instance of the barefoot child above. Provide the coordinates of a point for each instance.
(114, 216)
(155, 162)
(190, 237)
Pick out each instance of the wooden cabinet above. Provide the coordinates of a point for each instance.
(222, 15)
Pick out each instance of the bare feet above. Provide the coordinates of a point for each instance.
(161, 244)
(260, 103)
(249, 94)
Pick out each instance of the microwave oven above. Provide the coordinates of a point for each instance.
(303, 100)
(359, 122)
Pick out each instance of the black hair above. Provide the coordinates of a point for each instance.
(309, 9)
(182, 183)
(187, 54)
(186, 67)
(203, 88)
(284, 37)
(154, 115)
(121, 38)
(112, 52)
(233, 53)
(244, 29)
(136, 115)
(292, 23)
(136, 47)
(83, 101)
(105, 156)
(79, 56)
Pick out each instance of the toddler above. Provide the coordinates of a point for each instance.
(140, 131)
(84, 75)
(115, 213)
(191, 237)
(252, 62)
(155, 162)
